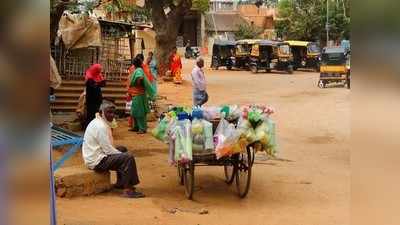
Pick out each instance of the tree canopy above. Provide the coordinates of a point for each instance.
(247, 31)
(306, 19)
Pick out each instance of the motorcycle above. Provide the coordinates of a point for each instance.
(192, 52)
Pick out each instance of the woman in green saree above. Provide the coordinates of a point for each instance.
(140, 89)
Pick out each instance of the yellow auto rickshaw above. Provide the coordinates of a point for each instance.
(242, 52)
(334, 67)
(305, 54)
(270, 55)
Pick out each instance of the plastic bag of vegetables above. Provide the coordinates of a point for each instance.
(198, 135)
(246, 130)
(160, 131)
(271, 147)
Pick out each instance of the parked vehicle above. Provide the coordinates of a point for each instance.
(192, 52)
(305, 54)
(334, 67)
(242, 53)
(223, 54)
(270, 55)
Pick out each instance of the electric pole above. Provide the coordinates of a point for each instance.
(327, 23)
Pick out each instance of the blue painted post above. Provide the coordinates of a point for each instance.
(53, 215)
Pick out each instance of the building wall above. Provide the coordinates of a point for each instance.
(262, 17)
(149, 38)
(193, 29)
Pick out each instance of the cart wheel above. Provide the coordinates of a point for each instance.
(189, 180)
(229, 67)
(180, 174)
(268, 70)
(253, 155)
(230, 171)
(243, 174)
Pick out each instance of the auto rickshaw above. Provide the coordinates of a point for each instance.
(305, 54)
(223, 54)
(268, 55)
(334, 67)
(242, 53)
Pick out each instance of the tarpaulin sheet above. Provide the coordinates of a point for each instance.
(79, 31)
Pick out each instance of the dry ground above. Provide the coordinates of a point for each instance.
(313, 128)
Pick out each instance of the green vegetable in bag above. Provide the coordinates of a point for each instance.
(160, 132)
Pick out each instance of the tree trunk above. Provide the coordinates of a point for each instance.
(163, 53)
(55, 16)
(166, 28)
(165, 43)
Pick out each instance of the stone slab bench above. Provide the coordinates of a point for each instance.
(79, 181)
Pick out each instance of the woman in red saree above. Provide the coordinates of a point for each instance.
(176, 67)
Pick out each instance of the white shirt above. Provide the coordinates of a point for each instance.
(97, 143)
(198, 78)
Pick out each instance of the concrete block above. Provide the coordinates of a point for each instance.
(79, 181)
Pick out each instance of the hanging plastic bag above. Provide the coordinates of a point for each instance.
(160, 131)
(198, 135)
(183, 141)
(219, 132)
(234, 113)
(208, 135)
(211, 113)
(225, 137)
(271, 147)
(171, 137)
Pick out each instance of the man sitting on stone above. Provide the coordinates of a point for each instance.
(100, 155)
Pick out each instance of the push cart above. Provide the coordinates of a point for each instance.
(236, 167)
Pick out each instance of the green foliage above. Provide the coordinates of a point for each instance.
(201, 5)
(270, 3)
(306, 19)
(119, 6)
(247, 31)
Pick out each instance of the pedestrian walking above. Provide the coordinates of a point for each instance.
(176, 66)
(200, 95)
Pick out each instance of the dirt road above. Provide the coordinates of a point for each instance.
(313, 188)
